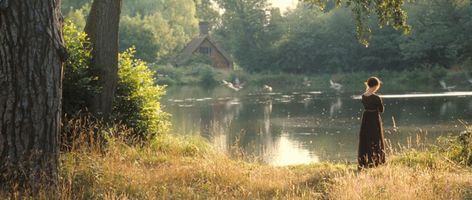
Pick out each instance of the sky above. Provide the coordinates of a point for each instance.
(284, 4)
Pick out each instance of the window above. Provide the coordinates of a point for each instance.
(205, 50)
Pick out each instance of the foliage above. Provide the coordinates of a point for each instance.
(77, 16)
(158, 30)
(207, 11)
(306, 39)
(77, 82)
(208, 76)
(244, 31)
(388, 12)
(134, 32)
(70, 5)
(195, 73)
(458, 148)
(137, 98)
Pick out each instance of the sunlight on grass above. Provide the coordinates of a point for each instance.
(188, 167)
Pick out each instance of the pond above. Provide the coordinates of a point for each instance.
(297, 127)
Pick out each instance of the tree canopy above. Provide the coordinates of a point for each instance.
(318, 36)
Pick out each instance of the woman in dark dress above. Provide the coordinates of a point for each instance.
(371, 150)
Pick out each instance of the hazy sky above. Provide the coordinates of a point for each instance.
(284, 4)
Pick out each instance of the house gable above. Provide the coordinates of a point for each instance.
(205, 45)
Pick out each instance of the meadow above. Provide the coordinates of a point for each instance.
(178, 167)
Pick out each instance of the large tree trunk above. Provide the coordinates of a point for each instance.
(102, 28)
(31, 57)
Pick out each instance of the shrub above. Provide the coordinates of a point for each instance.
(207, 75)
(457, 148)
(77, 82)
(137, 97)
(168, 74)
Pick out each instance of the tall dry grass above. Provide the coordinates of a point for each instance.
(172, 167)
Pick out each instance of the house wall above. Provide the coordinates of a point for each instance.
(217, 59)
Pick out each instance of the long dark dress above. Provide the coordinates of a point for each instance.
(371, 150)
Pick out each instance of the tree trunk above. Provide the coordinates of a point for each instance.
(31, 57)
(102, 28)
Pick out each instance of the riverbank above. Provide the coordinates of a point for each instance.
(172, 167)
(419, 79)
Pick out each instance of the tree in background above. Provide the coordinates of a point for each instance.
(388, 12)
(31, 58)
(207, 12)
(158, 30)
(439, 34)
(102, 29)
(244, 26)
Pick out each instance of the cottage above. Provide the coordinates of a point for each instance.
(206, 46)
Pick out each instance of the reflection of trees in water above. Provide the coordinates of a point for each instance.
(267, 112)
(447, 107)
(216, 122)
(335, 106)
(266, 138)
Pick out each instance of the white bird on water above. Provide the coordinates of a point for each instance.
(232, 86)
(335, 86)
(267, 88)
(446, 87)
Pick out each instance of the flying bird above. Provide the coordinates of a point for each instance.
(446, 87)
(335, 86)
(232, 86)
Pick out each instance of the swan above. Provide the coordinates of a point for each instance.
(446, 87)
(335, 86)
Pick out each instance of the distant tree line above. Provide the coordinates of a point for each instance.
(306, 39)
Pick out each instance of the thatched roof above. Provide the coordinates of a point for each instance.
(193, 45)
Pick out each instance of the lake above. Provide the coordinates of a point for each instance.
(298, 127)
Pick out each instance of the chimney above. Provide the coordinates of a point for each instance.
(203, 28)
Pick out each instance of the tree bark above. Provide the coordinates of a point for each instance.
(102, 28)
(31, 56)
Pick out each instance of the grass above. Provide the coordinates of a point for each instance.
(178, 167)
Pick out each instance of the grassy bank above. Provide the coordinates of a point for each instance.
(178, 167)
(420, 79)
(173, 167)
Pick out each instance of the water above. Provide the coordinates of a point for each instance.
(297, 127)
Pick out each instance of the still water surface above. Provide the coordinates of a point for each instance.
(296, 127)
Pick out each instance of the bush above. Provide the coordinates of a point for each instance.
(457, 148)
(168, 74)
(207, 75)
(77, 82)
(137, 97)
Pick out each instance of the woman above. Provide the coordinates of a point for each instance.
(371, 151)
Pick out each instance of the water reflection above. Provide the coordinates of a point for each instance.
(335, 106)
(288, 152)
(447, 107)
(303, 127)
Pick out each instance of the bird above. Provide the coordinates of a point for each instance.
(231, 86)
(470, 80)
(267, 88)
(335, 86)
(446, 87)
(306, 82)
